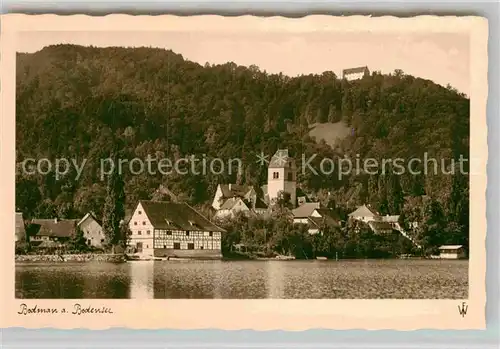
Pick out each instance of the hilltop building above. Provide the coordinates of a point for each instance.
(167, 229)
(355, 73)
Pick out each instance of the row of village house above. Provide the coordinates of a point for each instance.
(163, 229)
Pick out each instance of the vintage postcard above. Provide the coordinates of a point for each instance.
(243, 172)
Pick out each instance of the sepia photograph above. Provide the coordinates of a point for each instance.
(257, 163)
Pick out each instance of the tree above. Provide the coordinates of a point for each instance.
(114, 207)
(79, 243)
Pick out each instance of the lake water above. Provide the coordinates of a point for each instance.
(424, 279)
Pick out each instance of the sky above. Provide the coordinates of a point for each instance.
(440, 57)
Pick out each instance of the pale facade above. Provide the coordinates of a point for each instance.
(355, 73)
(282, 176)
(92, 231)
(166, 229)
(451, 252)
(141, 232)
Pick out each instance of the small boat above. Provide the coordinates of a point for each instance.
(321, 258)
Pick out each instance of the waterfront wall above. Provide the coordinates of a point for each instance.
(88, 257)
(195, 254)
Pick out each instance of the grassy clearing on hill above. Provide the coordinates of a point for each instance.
(331, 132)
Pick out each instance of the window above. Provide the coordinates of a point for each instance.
(102, 240)
(143, 223)
(187, 233)
(139, 212)
(276, 175)
(164, 246)
(169, 233)
(177, 245)
(211, 234)
(190, 246)
(135, 223)
(148, 232)
(201, 247)
(290, 176)
(139, 233)
(139, 247)
(147, 246)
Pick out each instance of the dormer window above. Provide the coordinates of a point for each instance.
(193, 224)
(168, 222)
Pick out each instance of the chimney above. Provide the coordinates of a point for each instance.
(230, 186)
(56, 220)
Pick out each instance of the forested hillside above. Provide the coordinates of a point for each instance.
(78, 102)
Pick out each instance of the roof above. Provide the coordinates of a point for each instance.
(355, 70)
(305, 210)
(20, 229)
(450, 247)
(259, 203)
(328, 220)
(363, 211)
(229, 203)
(390, 219)
(380, 226)
(281, 159)
(232, 190)
(328, 212)
(176, 216)
(50, 227)
(88, 215)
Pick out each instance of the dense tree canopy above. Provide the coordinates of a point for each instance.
(73, 100)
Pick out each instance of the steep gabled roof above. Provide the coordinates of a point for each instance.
(176, 216)
(305, 210)
(88, 215)
(235, 190)
(363, 211)
(231, 202)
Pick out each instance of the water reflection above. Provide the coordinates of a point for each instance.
(141, 280)
(245, 279)
(275, 280)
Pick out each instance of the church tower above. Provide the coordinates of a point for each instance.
(282, 176)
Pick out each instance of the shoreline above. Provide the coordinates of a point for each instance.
(63, 258)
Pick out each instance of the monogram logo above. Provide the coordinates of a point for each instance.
(462, 309)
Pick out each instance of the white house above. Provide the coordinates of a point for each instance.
(231, 207)
(355, 73)
(315, 217)
(302, 213)
(167, 229)
(451, 252)
(92, 230)
(365, 214)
